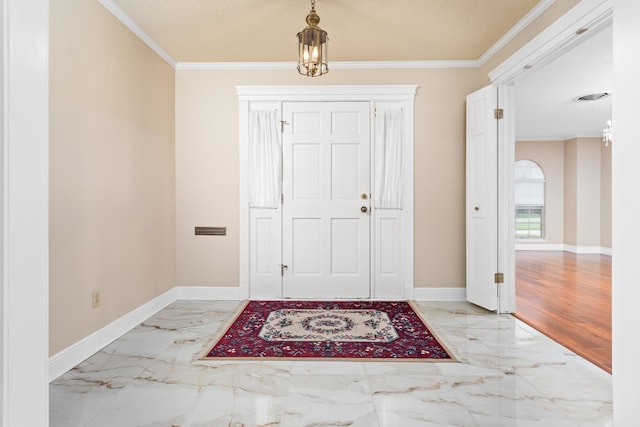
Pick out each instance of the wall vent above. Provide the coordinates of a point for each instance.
(211, 231)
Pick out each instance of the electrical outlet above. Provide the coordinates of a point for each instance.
(96, 299)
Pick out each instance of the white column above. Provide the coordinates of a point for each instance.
(24, 264)
(625, 207)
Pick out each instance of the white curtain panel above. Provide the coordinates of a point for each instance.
(265, 159)
(389, 156)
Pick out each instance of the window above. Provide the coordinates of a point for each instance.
(529, 200)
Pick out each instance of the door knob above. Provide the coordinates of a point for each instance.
(477, 208)
(363, 209)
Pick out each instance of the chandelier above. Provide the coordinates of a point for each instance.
(607, 134)
(312, 41)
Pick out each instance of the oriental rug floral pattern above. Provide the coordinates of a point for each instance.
(328, 325)
(328, 330)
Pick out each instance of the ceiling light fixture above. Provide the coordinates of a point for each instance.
(607, 134)
(312, 52)
(593, 96)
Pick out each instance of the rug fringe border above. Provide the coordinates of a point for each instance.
(223, 330)
(436, 334)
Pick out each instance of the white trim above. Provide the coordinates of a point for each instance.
(337, 65)
(440, 294)
(516, 29)
(556, 138)
(506, 194)
(556, 38)
(533, 14)
(218, 293)
(76, 353)
(561, 247)
(24, 229)
(71, 356)
(128, 22)
(530, 246)
(327, 93)
(369, 93)
(587, 249)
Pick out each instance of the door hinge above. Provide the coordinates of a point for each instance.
(498, 113)
(498, 278)
(282, 198)
(282, 269)
(282, 123)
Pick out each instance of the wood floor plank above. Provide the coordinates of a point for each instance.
(567, 297)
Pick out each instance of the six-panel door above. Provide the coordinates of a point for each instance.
(326, 208)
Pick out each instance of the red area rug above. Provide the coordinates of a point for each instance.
(342, 330)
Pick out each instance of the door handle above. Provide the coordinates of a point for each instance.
(363, 209)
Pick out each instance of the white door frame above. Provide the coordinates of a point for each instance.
(546, 46)
(24, 190)
(404, 94)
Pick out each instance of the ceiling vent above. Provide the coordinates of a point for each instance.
(593, 96)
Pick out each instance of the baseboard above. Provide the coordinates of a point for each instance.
(562, 247)
(220, 293)
(539, 246)
(587, 249)
(71, 356)
(76, 353)
(440, 294)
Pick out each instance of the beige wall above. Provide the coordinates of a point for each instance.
(588, 195)
(571, 192)
(112, 190)
(578, 189)
(549, 155)
(587, 217)
(207, 171)
(116, 198)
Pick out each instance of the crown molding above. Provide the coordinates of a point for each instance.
(516, 29)
(556, 38)
(334, 65)
(387, 65)
(122, 16)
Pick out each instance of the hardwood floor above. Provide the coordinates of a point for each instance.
(567, 297)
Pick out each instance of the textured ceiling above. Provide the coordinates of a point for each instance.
(359, 30)
(398, 30)
(546, 106)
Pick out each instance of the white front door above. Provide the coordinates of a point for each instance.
(482, 198)
(326, 192)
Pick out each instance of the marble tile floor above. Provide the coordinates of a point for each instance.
(508, 375)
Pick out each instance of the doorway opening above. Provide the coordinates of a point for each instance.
(563, 274)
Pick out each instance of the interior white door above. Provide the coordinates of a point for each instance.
(326, 191)
(482, 197)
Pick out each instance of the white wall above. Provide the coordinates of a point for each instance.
(626, 205)
(23, 289)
